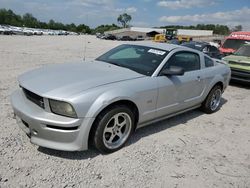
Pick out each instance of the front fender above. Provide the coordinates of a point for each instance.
(142, 92)
(107, 98)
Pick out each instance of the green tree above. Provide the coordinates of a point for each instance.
(30, 21)
(71, 27)
(83, 29)
(51, 24)
(218, 29)
(237, 28)
(124, 19)
(9, 17)
(103, 28)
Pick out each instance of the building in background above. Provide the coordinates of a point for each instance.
(195, 33)
(135, 32)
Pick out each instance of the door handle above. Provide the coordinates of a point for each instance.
(198, 78)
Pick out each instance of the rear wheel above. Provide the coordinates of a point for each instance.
(212, 102)
(113, 128)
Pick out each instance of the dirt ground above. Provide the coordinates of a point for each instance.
(191, 150)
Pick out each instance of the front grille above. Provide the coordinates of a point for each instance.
(34, 98)
(238, 74)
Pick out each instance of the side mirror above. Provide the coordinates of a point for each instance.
(173, 71)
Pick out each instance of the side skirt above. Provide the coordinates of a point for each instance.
(166, 117)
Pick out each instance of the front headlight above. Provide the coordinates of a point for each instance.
(62, 108)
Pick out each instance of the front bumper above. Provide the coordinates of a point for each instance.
(240, 75)
(50, 130)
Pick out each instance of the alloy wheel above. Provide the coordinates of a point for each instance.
(117, 130)
(215, 101)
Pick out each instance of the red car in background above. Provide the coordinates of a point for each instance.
(234, 41)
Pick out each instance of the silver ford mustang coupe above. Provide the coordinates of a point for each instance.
(102, 102)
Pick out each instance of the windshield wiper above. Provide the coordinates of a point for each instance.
(117, 64)
(120, 65)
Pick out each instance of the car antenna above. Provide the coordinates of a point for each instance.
(85, 42)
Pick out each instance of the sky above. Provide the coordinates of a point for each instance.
(145, 13)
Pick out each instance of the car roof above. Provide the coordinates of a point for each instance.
(241, 35)
(195, 43)
(162, 46)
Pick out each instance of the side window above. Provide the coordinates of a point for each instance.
(208, 62)
(189, 61)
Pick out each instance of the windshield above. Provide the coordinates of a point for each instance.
(141, 59)
(169, 32)
(234, 43)
(243, 51)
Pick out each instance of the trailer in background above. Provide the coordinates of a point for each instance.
(182, 35)
(194, 33)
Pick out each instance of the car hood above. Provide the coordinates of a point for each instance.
(239, 59)
(239, 62)
(64, 80)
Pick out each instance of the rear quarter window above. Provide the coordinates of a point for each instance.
(208, 62)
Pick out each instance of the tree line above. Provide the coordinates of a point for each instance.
(8, 17)
(218, 29)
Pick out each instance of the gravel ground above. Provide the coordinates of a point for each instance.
(190, 150)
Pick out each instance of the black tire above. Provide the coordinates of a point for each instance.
(207, 106)
(102, 122)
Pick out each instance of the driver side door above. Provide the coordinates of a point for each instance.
(177, 93)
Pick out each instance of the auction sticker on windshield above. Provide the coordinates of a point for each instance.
(157, 52)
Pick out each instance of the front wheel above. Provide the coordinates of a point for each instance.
(212, 102)
(113, 128)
